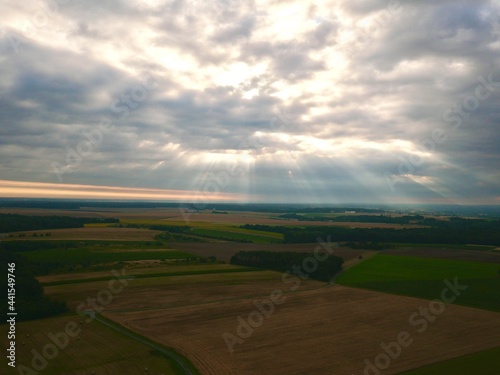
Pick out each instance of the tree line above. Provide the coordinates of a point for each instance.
(290, 262)
(30, 301)
(453, 231)
(167, 228)
(453, 235)
(406, 219)
(16, 223)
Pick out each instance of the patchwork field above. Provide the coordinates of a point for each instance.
(179, 291)
(324, 327)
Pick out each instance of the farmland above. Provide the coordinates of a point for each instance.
(194, 311)
(181, 293)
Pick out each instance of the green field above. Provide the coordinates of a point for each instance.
(485, 363)
(79, 256)
(424, 277)
(159, 274)
(238, 234)
(94, 251)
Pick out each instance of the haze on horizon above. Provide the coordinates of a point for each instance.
(251, 101)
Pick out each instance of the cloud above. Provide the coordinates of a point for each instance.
(318, 102)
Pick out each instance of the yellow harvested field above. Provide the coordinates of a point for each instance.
(324, 330)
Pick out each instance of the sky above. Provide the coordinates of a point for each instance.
(355, 101)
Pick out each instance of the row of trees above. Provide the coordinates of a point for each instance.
(452, 222)
(184, 233)
(27, 245)
(167, 228)
(407, 219)
(177, 237)
(291, 262)
(16, 223)
(368, 245)
(462, 235)
(30, 302)
(266, 228)
(453, 231)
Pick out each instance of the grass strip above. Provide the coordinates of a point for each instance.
(160, 274)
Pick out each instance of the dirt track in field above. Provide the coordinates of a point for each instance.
(327, 330)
